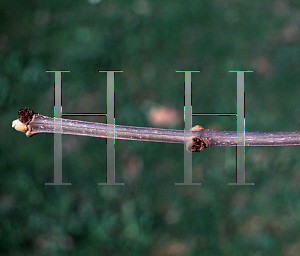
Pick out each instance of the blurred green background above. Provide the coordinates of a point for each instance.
(149, 41)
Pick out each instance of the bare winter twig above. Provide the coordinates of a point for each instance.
(196, 139)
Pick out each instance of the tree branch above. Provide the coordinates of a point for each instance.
(196, 139)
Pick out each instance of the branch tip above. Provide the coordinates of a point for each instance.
(19, 126)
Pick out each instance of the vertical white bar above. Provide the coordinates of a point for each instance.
(110, 159)
(57, 130)
(188, 166)
(240, 127)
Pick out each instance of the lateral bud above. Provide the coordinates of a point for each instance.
(196, 144)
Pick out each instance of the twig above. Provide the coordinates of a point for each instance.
(196, 139)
